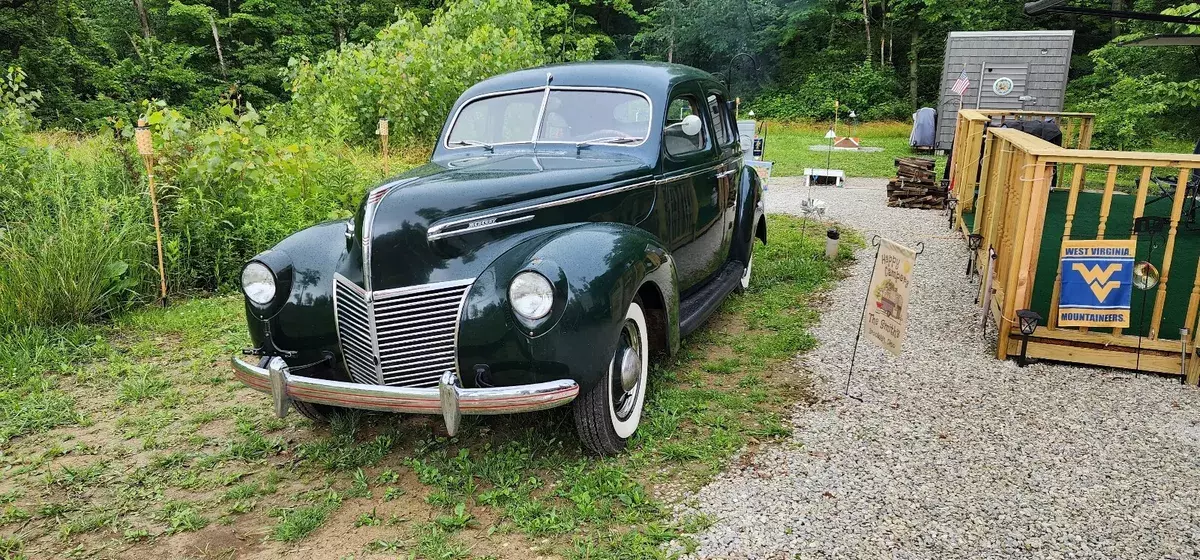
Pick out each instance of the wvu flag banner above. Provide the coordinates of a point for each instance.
(1097, 283)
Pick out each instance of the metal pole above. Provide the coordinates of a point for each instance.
(1137, 364)
(861, 316)
(1183, 333)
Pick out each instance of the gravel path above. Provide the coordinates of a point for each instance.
(954, 454)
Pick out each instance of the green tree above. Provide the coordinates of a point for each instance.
(412, 73)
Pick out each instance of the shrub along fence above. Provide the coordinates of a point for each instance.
(1033, 195)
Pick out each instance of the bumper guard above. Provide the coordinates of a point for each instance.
(449, 397)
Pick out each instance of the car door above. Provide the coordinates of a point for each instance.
(689, 187)
(725, 141)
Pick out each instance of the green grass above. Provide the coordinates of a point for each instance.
(158, 441)
(296, 523)
(788, 145)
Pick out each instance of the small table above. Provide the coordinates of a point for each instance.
(825, 177)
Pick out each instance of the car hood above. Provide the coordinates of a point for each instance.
(397, 217)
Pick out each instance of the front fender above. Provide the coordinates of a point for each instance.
(304, 324)
(597, 270)
(750, 210)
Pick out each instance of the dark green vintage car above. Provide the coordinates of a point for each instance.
(572, 221)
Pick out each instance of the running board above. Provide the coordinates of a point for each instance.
(696, 309)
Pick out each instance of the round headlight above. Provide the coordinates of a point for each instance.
(531, 295)
(258, 282)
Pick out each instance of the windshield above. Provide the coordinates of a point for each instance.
(572, 116)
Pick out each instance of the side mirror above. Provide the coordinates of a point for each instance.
(691, 125)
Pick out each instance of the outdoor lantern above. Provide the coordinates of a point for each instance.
(973, 242)
(145, 148)
(951, 204)
(1027, 321)
(141, 136)
(831, 243)
(383, 127)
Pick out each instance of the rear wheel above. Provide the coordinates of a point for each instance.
(608, 415)
(744, 283)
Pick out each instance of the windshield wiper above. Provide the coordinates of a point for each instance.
(608, 140)
(483, 145)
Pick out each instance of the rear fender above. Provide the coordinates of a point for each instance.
(750, 212)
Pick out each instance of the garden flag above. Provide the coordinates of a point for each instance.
(1097, 283)
(963, 82)
(886, 312)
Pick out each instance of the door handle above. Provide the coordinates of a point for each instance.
(724, 174)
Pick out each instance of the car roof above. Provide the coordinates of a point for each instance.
(653, 78)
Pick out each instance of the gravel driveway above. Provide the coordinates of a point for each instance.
(954, 454)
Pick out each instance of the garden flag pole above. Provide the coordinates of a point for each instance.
(145, 148)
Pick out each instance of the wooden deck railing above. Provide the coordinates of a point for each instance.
(969, 140)
(1015, 178)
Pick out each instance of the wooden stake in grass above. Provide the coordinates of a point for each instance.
(382, 131)
(145, 147)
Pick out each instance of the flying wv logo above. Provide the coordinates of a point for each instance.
(1099, 280)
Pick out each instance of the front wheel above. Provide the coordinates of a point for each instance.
(608, 415)
(318, 413)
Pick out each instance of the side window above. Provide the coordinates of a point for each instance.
(720, 119)
(683, 131)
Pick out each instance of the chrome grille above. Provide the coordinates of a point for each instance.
(403, 337)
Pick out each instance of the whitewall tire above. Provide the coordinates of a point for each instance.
(609, 414)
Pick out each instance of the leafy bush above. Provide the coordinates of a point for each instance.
(17, 101)
(231, 188)
(873, 93)
(1139, 95)
(411, 73)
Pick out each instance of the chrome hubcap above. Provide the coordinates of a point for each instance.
(631, 370)
(626, 374)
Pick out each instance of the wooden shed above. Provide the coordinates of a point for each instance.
(1008, 70)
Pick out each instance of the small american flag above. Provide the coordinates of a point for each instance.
(961, 85)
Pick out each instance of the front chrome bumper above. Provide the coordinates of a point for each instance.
(449, 397)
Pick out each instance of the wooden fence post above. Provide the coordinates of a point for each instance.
(1072, 202)
(1106, 200)
(1017, 275)
(382, 131)
(1139, 208)
(1160, 298)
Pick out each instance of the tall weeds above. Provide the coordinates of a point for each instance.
(73, 239)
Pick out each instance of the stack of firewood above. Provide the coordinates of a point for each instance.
(915, 185)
